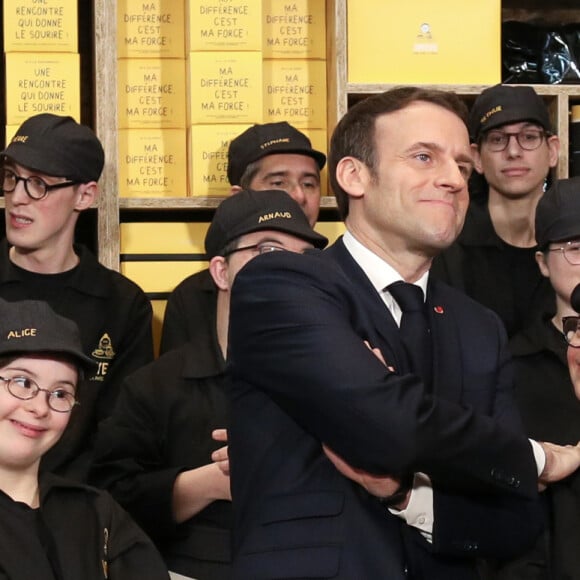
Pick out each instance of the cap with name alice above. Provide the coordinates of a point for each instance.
(32, 327)
(57, 146)
(558, 212)
(501, 104)
(251, 211)
(267, 139)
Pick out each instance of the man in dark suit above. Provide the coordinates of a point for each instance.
(445, 474)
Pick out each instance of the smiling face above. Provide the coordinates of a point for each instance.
(29, 428)
(516, 172)
(417, 200)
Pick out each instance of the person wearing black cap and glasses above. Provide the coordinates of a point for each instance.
(48, 175)
(268, 156)
(154, 452)
(52, 527)
(493, 259)
(545, 396)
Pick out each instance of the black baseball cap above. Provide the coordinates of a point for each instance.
(251, 211)
(267, 139)
(558, 212)
(32, 327)
(501, 104)
(57, 146)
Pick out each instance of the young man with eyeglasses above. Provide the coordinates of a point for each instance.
(546, 398)
(493, 260)
(155, 451)
(48, 176)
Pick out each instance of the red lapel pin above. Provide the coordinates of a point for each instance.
(438, 309)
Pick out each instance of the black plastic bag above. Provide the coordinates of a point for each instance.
(539, 55)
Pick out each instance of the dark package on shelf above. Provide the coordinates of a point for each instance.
(536, 54)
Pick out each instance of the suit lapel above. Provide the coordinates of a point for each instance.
(380, 325)
(447, 359)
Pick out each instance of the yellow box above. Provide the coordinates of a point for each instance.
(42, 83)
(224, 25)
(208, 158)
(151, 93)
(163, 237)
(150, 29)
(446, 42)
(294, 29)
(225, 87)
(295, 91)
(160, 276)
(152, 162)
(47, 26)
(332, 230)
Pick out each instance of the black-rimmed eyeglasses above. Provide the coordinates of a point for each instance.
(59, 400)
(571, 327)
(570, 251)
(35, 187)
(263, 248)
(528, 139)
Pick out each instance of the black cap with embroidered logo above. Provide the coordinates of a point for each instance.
(250, 211)
(57, 146)
(501, 104)
(267, 139)
(558, 213)
(32, 327)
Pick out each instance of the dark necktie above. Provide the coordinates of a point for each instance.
(414, 328)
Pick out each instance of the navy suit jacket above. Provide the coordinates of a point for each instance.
(301, 375)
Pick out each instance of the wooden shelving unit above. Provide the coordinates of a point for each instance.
(340, 94)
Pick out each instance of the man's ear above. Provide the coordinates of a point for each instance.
(87, 195)
(353, 176)
(476, 158)
(218, 268)
(542, 263)
(235, 189)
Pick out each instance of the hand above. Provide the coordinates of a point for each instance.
(381, 486)
(377, 352)
(220, 456)
(561, 461)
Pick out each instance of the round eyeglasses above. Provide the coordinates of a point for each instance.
(528, 139)
(263, 248)
(570, 251)
(571, 326)
(59, 400)
(35, 187)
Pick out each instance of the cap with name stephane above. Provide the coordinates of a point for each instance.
(558, 213)
(267, 139)
(57, 146)
(501, 104)
(251, 211)
(33, 327)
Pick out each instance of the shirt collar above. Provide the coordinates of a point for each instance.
(380, 273)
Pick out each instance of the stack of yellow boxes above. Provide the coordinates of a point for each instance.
(224, 43)
(151, 98)
(294, 50)
(42, 60)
